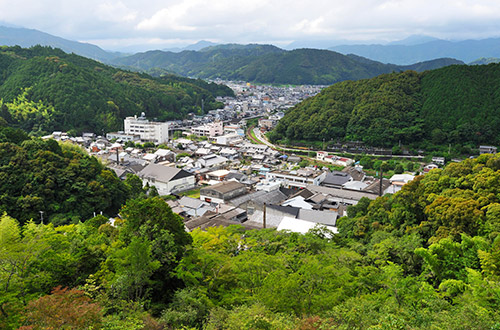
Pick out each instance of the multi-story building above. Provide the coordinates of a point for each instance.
(297, 179)
(149, 131)
(210, 129)
(122, 136)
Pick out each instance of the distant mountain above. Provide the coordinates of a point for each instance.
(44, 89)
(200, 45)
(484, 60)
(267, 64)
(453, 105)
(196, 46)
(10, 36)
(413, 40)
(467, 51)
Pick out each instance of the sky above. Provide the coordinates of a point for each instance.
(159, 24)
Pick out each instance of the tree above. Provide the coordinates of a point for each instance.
(63, 309)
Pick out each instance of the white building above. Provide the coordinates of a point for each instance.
(166, 179)
(210, 129)
(227, 140)
(122, 136)
(149, 131)
(297, 179)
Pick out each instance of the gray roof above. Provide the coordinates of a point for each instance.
(342, 193)
(336, 178)
(328, 218)
(355, 173)
(192, 203)
(375, 186)
(260, 197)
(163, 173)
(212, 219)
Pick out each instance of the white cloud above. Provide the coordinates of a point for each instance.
(255, 20)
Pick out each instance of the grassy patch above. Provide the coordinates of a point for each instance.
(195, 193)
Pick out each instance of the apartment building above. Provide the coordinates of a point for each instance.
(149, 131)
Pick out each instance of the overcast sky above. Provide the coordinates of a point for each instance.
(153, 24)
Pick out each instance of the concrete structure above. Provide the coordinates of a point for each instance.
(297, 179)
(222, 192)
(124, 137)
(228, 139)
(149, 131)
(487, 150)
(167, 179)
(210, 130)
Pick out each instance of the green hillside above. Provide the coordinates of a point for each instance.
(427, 257)
(44, 89)
(457, 105)
(267, 64)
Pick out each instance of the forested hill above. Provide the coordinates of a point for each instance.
(44, 89)
(267, 64)
(453, 105)
(427, 257)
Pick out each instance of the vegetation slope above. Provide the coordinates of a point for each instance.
(424, 258)
(44, 89)
(267, 64)
(456, 105)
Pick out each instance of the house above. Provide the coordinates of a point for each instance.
(342, 196)
(487, 150)
(218, 175)
(297, 179)
(438, 160)
(356, 172)
(164, 155)
(229, 153)
(194, 207)
(213, 219)
(211, 160)
(336, 179)
(166, 179)
(429, 167)
(222, 192)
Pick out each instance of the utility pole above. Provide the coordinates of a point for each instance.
(264, 217)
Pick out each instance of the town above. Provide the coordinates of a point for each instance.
(214, 175)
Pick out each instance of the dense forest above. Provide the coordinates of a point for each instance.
(456, 105)
(44, 89)
(267, 64)
(61, 181)
(424, 258)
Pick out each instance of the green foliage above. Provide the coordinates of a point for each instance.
(453, 105)
(427, 257)
(45, 89)
(266, 64)
(60, 180)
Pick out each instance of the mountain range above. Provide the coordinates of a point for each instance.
(12, 36)
(402, 54)
(456, 105)
(267, 64)
(270, 64)
(44, 89)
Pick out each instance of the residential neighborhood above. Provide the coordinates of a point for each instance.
(215, 176)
